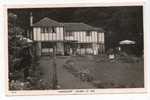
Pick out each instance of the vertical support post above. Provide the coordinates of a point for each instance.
(38, 49)
(54, 79)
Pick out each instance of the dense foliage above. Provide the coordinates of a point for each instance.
(119, 23)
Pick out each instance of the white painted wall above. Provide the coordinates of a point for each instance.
(101, 37)
(38, 36)
(80, 36)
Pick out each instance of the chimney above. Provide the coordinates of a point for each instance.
(31, 19)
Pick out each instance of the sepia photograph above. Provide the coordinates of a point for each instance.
(63, 48)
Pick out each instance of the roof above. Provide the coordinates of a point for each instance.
(80, 27)
(77, 27)
(99, 29)
(46, 22)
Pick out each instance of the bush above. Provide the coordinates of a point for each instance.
(83, 74)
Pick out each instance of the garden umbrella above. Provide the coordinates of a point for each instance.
(127, 42)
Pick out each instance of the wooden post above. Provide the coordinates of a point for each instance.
(54, 79)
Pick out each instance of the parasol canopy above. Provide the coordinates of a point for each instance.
(127, 42)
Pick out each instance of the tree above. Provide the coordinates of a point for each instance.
(14, 42)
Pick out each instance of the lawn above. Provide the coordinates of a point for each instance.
(110, 74)
(75, 72)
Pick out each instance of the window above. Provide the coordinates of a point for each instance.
(88, 33)
(53, 29)
(48, 44)
(85, 45)
(42, 30)
(69, 33)
(48, 30)
(82, 45)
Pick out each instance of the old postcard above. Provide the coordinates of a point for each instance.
(75, 49)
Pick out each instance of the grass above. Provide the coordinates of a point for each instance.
(108, 74)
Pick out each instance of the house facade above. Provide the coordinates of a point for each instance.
(52, 37)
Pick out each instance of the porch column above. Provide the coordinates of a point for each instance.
(95, 49)
(38, 49)
(60, 47)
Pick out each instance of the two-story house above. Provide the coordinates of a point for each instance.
(52, 37)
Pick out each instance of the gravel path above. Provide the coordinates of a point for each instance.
(65, 79)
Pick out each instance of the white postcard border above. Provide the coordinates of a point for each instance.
(73, 91)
